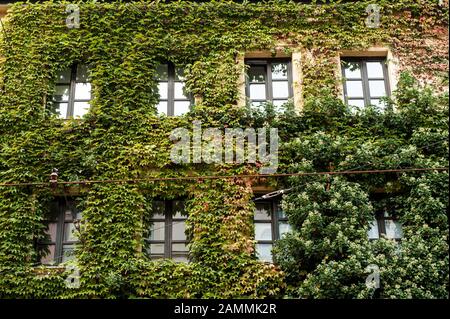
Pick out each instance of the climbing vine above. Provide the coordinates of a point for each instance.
(122, 137)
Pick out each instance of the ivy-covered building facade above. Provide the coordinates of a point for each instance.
(93, 203)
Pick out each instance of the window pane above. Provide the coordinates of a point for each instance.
(279, 71)
(179, 248)
(178, 209)
(178, 228)
(80, 109)
(61, 109)
(280, 89)
(68, 253)
(70, 232)
(357, 103)
(82, 73)
(158, 209)
(373, 230)
(51, 231)
(263, 231)
(50, 257)
(263, 211)
(63, 76)
(162, 73)
(180, 91)
(61, 93)
(157, 231)
(257, 74)
(264, 252)
(280, 212)
(156, 249)
(283, 228)
(354, 89)
(181, 107)
(377, 88)
(179, 74)
(352, 70)
(257, 105)
(258, 91)
(393, 229)
(162, 90)
(82, 91)
(162, 107)
(374, 70)
(377, 102)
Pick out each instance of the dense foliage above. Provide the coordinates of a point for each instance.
(122, 137)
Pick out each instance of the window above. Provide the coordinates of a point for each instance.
(365, 81)
(72, 92)
(61, 233)
(269, 80)
(386, 226)
(167, 232)
(173, 98)
(270, 224)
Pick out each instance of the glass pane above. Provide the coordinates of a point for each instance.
(158, 209)
(393, 229)
(180, 259)
(373, 230)
(280, 89)
(179, 74)
(178, 228)
(50, 257)
(374, 70)
(263, 211)
(162, 73)
(70, 232)
(51, 231)
(153, 257)
(280, 212)
(179, 248)
(162, 107)
(360, 104)
(61, 109)
(257, 74)
(178, 209)
(263, 231)
(257, 105)
(162, 90)
(80, 109)
(279, 103)
(180, 91)
(82, 73)
(156, 249)
(279, 71)
(82, 91)
(352, 70)
(63, 76)
(354, 89)
(264, 252)
(157, 231)
(61, 93)
(258, 91)
(68, 253)
(377, 88)
(181, 107)
(283, 228)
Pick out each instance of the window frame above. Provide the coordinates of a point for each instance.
(169, 219)
(170, 111)
(57, 216)
(362, 61)
(274, 221)
(72, 85)
(267, 63)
